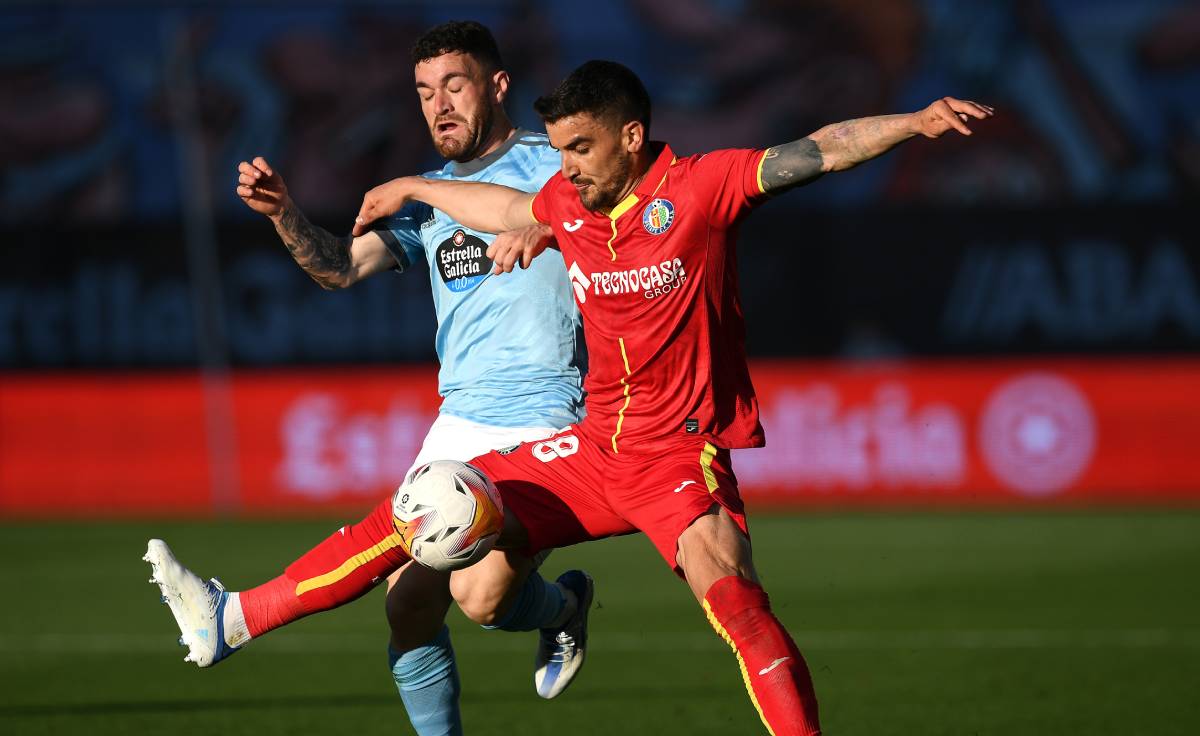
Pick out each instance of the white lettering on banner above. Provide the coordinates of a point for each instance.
(1100, 296)
(328, 452)
(818, 444)
(1037, 434)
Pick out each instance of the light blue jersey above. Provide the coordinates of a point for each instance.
(511, 346)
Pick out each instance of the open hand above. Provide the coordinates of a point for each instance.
(261, 188)
(949, 113)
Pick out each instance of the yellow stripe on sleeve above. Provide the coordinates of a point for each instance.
(758, 176)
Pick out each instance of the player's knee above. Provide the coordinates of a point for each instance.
(402, 609)
(485, 590)
(416, 599)
(712, 548)
(479, 600)
(721, 559)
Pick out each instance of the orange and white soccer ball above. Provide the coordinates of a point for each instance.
(448, 515)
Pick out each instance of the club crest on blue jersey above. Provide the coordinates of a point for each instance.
(462, 261)
(658, 216)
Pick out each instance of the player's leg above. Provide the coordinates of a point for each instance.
(420, 655)
(506, 592)
(551, 496)
(714, 554)
(214, 623)
(690, 509)
(493, 592)
(420, 652)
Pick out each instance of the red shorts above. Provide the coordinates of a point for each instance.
(568, 489)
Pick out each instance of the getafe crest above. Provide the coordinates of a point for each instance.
(658, 216)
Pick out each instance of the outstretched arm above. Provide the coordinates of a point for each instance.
(333, 262)
(487, 208)
(841, 146)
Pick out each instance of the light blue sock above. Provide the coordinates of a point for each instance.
(427, 679)
(537, 606)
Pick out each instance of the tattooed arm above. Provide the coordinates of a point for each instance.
(333, 262)
(841, 146)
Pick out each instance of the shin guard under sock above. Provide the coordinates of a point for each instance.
(775, 673)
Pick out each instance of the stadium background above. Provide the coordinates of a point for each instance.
(988, 349)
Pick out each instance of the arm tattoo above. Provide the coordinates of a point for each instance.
(849, 143)
(791, 165)
(324, 256)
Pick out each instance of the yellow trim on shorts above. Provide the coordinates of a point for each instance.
(621, 413)
(712, 620)
(706, 460)
(349, 565)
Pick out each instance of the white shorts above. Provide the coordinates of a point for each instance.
(455, 438)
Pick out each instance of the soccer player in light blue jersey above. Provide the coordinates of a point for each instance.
(512, 363)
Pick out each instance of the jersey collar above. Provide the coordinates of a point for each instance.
(650, 182)
(475, 165)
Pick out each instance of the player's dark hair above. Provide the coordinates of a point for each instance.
(461, 36)
(603, 89)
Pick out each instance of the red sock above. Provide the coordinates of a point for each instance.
(338, 570)
(775, 673)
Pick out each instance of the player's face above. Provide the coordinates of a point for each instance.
(458, 98)
(597, 157)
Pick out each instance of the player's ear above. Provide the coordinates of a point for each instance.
(500, 82)
(633, 136)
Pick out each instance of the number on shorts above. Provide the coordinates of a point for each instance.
(564, 446)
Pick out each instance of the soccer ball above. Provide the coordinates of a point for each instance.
(448, 515)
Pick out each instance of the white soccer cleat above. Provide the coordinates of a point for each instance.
(198, 606)
(560, 652)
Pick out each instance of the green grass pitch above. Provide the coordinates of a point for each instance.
(912, 623)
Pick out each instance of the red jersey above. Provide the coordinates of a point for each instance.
(656, 283)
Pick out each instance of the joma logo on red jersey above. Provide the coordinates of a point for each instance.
(649, 281)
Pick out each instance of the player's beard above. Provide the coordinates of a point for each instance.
(467, 147)
(604, 196)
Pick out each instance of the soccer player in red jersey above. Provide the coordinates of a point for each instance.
(648, 239)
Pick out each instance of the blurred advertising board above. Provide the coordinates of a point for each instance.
(849, 283)
(986, 432)
(918, 433)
